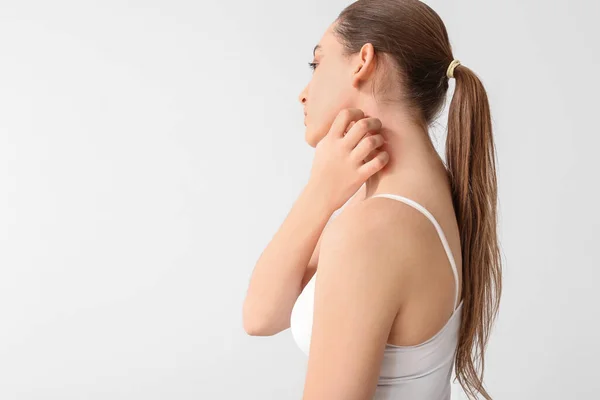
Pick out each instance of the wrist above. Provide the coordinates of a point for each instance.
(317, 202)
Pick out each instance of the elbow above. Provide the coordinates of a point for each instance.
(252, 325)
(254, 331)
(256, 328)
(252, 328)
(262, 329)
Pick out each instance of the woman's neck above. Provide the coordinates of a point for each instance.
(412, 156)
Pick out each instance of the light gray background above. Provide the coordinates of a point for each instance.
(150, 149)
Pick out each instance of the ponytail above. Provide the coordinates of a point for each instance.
(470, 157)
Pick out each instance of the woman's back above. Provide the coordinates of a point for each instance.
(416, 371)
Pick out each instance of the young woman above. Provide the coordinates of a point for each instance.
(404, 283)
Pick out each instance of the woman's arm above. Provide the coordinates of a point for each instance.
(282, 271)
(276, 280)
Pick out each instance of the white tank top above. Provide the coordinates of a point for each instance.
(418, 372)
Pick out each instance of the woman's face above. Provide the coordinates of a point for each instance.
(330, 89)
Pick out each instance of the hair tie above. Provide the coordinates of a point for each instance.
(450, 72)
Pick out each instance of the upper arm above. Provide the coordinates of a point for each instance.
(311, 268)
(357, 295)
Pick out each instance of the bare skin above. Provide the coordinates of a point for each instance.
(414, 170)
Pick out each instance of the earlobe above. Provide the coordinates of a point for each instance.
(355, 77)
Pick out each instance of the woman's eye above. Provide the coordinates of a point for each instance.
(312, 65)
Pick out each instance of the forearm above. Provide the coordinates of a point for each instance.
(276, 280)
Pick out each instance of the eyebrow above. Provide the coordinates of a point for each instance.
(316, 48)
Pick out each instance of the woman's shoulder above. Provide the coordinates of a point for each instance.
(381, 224)
(414, 195)
(402, 221)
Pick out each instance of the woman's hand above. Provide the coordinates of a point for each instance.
(347, 156)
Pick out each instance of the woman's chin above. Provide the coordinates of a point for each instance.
(312, 138)
(308, 139)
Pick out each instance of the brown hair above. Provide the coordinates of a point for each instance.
(415, 38)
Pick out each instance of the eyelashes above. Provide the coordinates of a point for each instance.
(312, 65)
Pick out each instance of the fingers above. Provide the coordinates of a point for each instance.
(366, 147)
(360, 129)
(343, 119)
(373, 166)
(349, 127)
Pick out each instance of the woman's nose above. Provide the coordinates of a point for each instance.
(302, 96)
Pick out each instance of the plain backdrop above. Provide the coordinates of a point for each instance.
(150, 150)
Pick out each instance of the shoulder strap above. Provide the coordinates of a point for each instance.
(438, 229)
